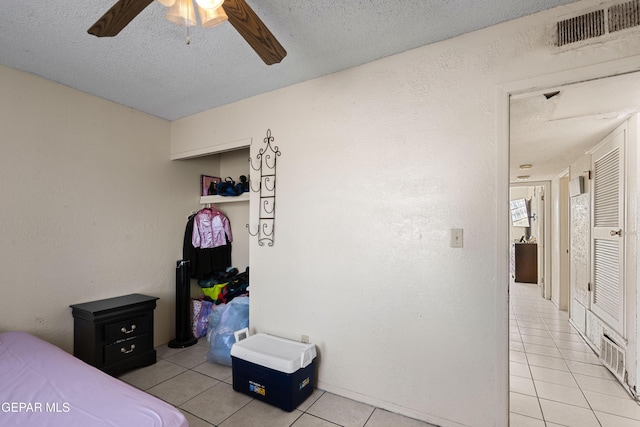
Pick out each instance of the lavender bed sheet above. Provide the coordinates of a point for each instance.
(41, 385)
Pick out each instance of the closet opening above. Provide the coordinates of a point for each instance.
(229, 164)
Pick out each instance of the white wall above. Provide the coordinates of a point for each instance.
(631, 249)
(580, 245)
(90, 206)
(554, 245)
(559, 243)
(233, 164)
(378, 163)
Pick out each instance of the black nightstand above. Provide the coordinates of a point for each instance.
(115, 334)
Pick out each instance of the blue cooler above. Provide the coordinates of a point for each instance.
(275, 370)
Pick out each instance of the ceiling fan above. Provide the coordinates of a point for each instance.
(240, 15)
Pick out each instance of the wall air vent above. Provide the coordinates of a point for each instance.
(598, 23)
(581, 27)
(623, 16)
(613, 357)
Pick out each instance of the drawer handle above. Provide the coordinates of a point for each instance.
(124, 330)
(125, 351)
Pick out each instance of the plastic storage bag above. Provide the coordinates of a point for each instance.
(214, 319)
(232, 317)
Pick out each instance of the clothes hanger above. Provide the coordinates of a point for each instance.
(211, 208)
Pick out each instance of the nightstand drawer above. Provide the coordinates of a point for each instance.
(127, 349)
(128, 328)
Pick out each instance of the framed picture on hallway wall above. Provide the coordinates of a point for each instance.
(209, 185)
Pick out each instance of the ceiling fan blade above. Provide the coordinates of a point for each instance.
(116, 18)
(253, 30)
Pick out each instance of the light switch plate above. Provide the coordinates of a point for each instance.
(456, 238)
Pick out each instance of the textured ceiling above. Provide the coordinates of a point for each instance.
(149, 66)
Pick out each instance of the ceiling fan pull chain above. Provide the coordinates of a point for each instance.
(188, 36)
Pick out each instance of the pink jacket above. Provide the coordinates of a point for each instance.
(210, 227)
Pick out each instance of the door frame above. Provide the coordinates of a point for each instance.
(564, 248)
(544, 237)
(503, 94)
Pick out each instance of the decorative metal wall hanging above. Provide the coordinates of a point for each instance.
(266, 159)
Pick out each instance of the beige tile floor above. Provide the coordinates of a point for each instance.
(555, 377)
(203, 392)
(555, 380)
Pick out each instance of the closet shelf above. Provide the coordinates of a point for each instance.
(244, 197)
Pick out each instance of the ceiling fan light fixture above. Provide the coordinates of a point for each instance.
(211, 17)
(209, 4)
(182, 13)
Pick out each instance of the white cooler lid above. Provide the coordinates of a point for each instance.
(274, 352)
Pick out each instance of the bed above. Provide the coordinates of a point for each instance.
(41, 385)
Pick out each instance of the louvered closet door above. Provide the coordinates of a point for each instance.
(608, 296)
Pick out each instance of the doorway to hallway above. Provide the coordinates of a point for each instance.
(559, 279)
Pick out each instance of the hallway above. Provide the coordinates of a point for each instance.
(555, 378)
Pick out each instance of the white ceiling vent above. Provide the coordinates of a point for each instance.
(598, 23)
(581, 27)
(623, 16)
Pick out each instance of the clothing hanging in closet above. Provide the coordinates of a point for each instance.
(211, 229)
(207, 243)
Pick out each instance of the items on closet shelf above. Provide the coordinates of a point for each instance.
(228, 187)
(207, 242)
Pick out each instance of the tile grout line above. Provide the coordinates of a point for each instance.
(535, 387)
(187, 364)
(575, 379)
(564, 358)
(179, 407)
(530, 372)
